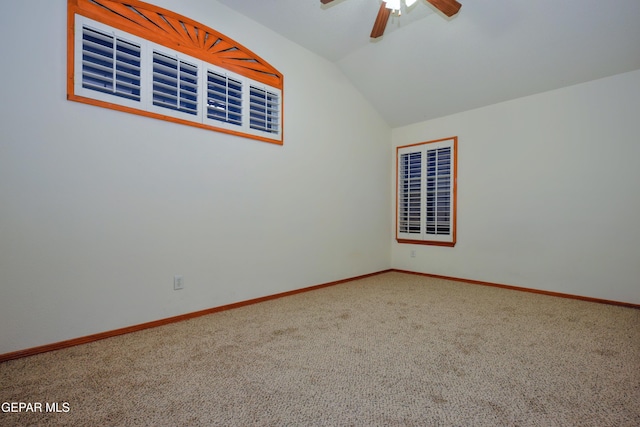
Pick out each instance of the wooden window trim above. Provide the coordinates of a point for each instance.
(454, 198)
(176, 32)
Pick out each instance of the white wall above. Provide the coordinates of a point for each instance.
(99, 209)
(549, 192)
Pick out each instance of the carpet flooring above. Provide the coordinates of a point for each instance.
(393, 349)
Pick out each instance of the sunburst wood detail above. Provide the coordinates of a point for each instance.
(180, 33)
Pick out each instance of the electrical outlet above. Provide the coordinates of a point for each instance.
(178, 283)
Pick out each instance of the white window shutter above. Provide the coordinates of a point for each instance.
(264, 110)
(175, 83)
(438, 191)
(410, 193)
(110, 64)
(224, 98)
(118, 68)
(425, 192)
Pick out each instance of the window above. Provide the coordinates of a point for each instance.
(110, 64)
(175, 83)
(145, 60)
(264, 110)
(426, 193)
(225, 98)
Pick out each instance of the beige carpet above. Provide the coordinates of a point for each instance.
(393, 349)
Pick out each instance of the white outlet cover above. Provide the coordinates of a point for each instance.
(178, 283)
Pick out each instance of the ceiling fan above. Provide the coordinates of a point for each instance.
(447, 7)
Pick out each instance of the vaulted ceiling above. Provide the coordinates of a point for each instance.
(428, 66)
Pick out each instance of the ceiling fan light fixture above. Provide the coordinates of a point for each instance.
(389, 7)
(393, 4)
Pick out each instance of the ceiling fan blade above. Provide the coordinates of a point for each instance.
(448, 7)
(381, 21)
(325, 1)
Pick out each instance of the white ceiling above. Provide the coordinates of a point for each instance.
(428, 66)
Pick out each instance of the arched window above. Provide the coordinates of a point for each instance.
(135, 57)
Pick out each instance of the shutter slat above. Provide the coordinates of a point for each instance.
(127, 57)
(89, 47)
(121, 75)
(89, 66)
(162, 85)
(161, 98)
